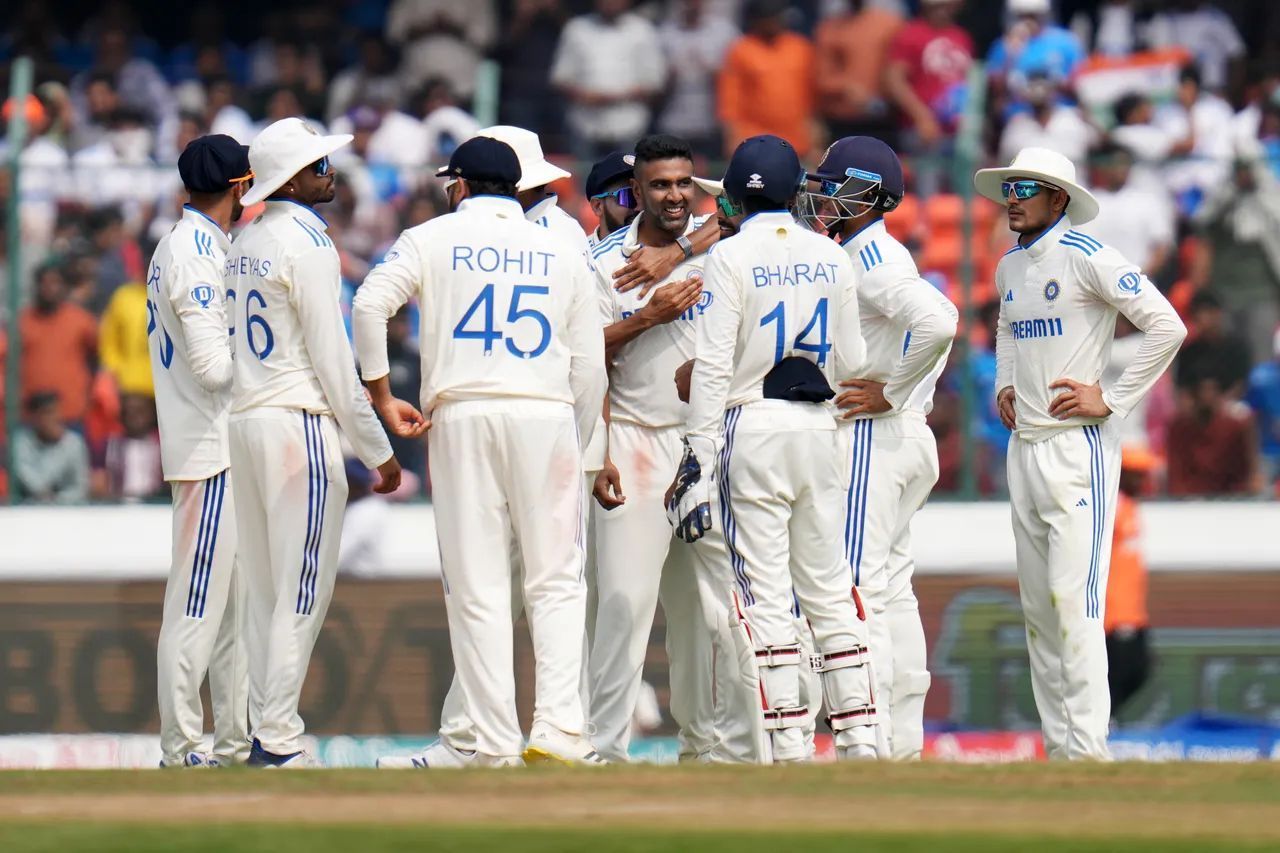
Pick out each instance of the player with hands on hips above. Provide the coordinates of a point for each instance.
(889, 453)
(761, 431)
(295, 385)
(191, 365)
(1060, 292)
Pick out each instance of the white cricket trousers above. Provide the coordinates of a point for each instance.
(504, 471)
(891, 464)
(638, 563)
(291, 492)
(1062, 492)
(782, 490)
(201, 631)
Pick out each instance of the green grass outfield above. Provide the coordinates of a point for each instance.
(852, 807)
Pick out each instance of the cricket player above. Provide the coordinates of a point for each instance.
(1060, 291)
(759, 428)
(295, 384)
(889, 452)
(647, 337)
(608, 188)
(513, 382)
(191, 365)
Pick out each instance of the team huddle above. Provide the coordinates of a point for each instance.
(726, 414)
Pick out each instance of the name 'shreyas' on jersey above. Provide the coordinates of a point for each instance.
(291, 349)
(641, 386)
(506, 310)
(1059, 298)
(190, 352)
(907, 324)
(778, 290)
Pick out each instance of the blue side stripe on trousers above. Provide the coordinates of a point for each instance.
(856, 502)
(201, 535)
(726, 509)
(322, 480)
(1096, 490)
(220, 490)
(306, 582)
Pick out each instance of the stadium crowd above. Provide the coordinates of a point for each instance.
(1171, 108)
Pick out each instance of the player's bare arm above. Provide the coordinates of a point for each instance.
(400, 416)
(684, 378)
(1004, 404)
(649, 265)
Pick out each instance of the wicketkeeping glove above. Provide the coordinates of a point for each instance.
(690, 508)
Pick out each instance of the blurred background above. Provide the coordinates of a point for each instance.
(1169, 108)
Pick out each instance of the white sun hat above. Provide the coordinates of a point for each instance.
(710, 187)
(1040, 164)
(535, 170)
(282, 150)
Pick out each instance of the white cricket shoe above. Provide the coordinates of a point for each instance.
(191, 759)
(442, 756)
(301, 760)
(550, 745)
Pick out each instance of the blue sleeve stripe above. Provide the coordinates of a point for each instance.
(1085, 238)
(1087, 249)
(316, 237)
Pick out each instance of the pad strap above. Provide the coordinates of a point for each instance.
(785, 718)
(841, 658)
(863, 715)
(779, 655)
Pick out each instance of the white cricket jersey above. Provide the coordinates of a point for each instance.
(779, 290)
(283, 279)
(550, 215)
(907, 324)
(190, 352)
(1059, 297)
(642, 388)
(506, 311)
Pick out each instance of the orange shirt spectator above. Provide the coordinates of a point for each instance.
(850, 54)
(59, 346)
(1127, 583)
(767, 83)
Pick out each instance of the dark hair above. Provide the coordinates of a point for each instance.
(662, 146)
(501, 188)
(1190, 73)
(1205, 299)
(1127, 105)
(101, 77)
(38, 401)
(1107, 151)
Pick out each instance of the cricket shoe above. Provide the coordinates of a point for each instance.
(300, 760)
(441, 756)
(191, 759)
(549, 745)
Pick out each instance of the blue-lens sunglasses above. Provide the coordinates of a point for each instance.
(321, 167)
(622, 195)
(1023, 190)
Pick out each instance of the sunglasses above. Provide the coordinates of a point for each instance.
(622, 195)
(322, 167)
(246, 179)
(1023, 190)
(727, 206)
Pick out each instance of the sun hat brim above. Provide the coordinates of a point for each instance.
(710, 187)
(290, 165)
(1082, 207)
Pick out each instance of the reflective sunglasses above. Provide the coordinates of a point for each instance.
(727, 206)
(1023, 190)
(623, 196)
(321, 167)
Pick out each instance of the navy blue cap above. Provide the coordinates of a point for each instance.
(863, 157)
(211, 164)
(483, 158)
(615, 165)
(764, 167)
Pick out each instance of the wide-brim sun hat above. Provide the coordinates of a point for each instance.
(710, 187)
(535, 169)
(1040, 164)
(282, 150)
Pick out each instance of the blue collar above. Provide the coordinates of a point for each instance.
(324, 223)
(1039, 245)
(856, 234)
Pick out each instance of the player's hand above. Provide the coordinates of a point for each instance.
(684, 379)
(865, 397)
(1004, 404)
(673, 299)
(1078, 401)
(646, 267)
(389, 472)
(402, 418)
(688, 500)
(608, 487)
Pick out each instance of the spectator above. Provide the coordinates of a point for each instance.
(445, 125)
(118, 258)
(1263, 398)
(1047, 123)
(1136, 221)
(1239, 250)
(376, 65)
(101, 100)
(1208, 33)
(396, 138)
(59, 346)
(986, 429)
(1125, 621)
(696, 42)
(1033, 44)
(122, 339)
(139, 85)
(526, 49)
(222, 112)
(850, 49)
(119, 169)
(1214, 353)
(43, 162)
(1206, 119)
(925, 77)
(767, 83)
(1109, 29)
(129, 469)
(1151, 145)
(296, 68)
(1213, 446)
(50, 461)
(1146, 416)
(441, 38)
(609, 65)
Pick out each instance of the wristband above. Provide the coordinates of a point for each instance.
(685, 245)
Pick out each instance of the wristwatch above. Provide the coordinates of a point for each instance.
(686, 245)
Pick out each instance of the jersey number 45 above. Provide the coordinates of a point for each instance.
(489, 334)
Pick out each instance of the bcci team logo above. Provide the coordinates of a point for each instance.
(1130, 282)
(755, 182)
(203, 294)
(1052, 290)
